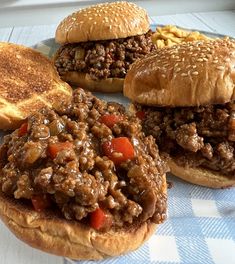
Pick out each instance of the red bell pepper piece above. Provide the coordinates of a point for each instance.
(118, 150)
(140, 115)
(55, 148)
(40, 202)
(97, 219)
(23, 130)
(110, 120)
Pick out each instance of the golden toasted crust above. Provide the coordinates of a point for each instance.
(53, 234)
(201, 176)
(103, 21)
(28, 81)
(190, 74)
(83, 80)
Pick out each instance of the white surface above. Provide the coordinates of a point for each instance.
(38, 12)
(206, 209)
(11, 250)
(218, 247)
(163, 244)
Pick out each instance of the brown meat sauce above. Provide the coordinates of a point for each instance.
(103, 59)
(81, 179)
(195, 136)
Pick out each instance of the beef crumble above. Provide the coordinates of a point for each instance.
(103, 59)
(63, 156)
(195, 136)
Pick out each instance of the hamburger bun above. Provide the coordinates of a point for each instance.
(201, 176)
(69, 195)
(199, 73)
(51, 233)
(96, 68)
(79, 79)
(28, 82)
(103, 21)
(191, 74)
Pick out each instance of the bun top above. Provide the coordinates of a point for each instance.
(103, 21)
(191, 74)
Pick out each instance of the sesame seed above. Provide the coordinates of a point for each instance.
(200, 60)
(220, 68)
(163, 76)
(184, 74)
(205, 59)
(215, 61)
(194, 66)
(195, 73)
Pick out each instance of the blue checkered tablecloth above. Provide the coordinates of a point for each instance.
(200, 229)
(201, 222)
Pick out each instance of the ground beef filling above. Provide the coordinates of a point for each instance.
(59, 157)
(103, 59)
(195, 136)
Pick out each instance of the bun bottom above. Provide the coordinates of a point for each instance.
(201, 176)
(53, 234)
(83, 80)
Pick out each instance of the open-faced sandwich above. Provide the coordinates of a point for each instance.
(82, 181)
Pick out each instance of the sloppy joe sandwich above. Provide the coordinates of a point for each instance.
(99, 43)
(187, 97)
(28, 82)
(82, 181)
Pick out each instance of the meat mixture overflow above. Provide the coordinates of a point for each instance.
(195, 136)
(88, 160)
(103, 59)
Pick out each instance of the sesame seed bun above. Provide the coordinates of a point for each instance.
(103, 21)
(201, 176)
(191, 74)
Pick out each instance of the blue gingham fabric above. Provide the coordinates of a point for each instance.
(200, 227)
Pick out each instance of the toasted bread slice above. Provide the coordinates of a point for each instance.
(28, 81)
